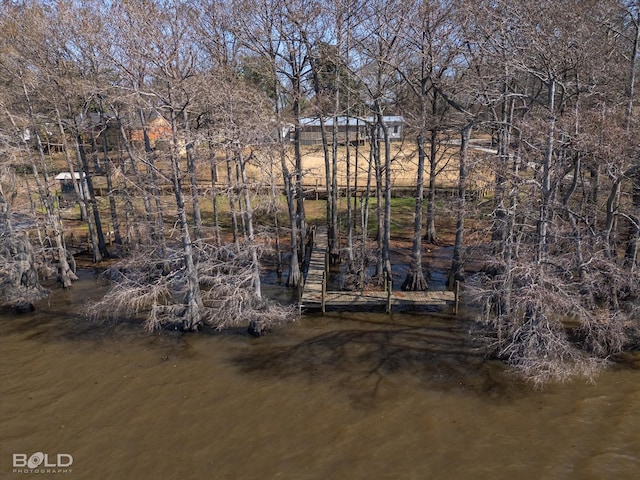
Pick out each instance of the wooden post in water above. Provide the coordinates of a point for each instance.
(325, 273)
(326, 260)
(324, 291)
(457, 296)
(388, 288)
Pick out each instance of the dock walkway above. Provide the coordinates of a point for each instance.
(314, 292)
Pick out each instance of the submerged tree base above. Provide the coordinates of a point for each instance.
(415, 282)
(153, 288)
(19, 283)
(551, 326)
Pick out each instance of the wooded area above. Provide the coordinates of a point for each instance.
(146, 100)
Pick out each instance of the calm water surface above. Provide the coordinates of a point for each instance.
(351, 396)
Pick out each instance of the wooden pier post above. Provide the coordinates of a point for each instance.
(456, 297)
(327, 260)
(324, 291)
(388, 288)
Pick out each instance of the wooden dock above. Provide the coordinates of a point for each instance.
(314, 293)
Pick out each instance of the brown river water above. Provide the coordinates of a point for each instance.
(339, 396)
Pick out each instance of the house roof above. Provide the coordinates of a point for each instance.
(67, 175)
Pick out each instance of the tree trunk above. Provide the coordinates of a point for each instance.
(577, 235)
(356, 165)
(457, 264)
(364, 217)
(66, 276)
(192, 315)
(84, 191)
(348, 194)
(255, 266)
(110, 191)
(115, 220)
(91, 197)
(232, 202)
(430, 234)
(5, 222)
(500, 224)
(299, 218)
(415, 280)
(386, 244)
(214, 198)
(633, 66)
(375, 149)
(631, 253)
(610, 237)
(276, 221)
(334, 228)
(131, 225)
(77, 186)
(294, 277)
(140, 187)
(328, 177)
(547, 193)
(152, 171)
(240, 198)
(191, 170)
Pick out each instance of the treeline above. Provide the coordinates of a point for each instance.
(551, 83)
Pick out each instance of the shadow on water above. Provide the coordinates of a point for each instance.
(76, 330)
(62, 318)
(367, 354)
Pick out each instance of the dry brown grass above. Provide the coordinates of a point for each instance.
(404, 166)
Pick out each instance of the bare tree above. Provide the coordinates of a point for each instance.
(383, 20)
(430, 37)
(19, 282)
(156, 295)
(264, 31)
(551, 256)
(631, 253)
